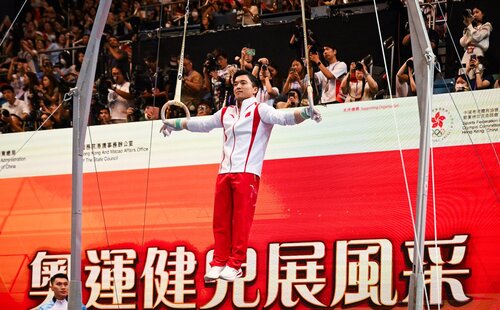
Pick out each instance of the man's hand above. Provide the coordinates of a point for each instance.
(316, 116)
(170, 125)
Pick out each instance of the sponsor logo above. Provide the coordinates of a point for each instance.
(441, 124)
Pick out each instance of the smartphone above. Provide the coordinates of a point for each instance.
(250, 51)
(473, 56)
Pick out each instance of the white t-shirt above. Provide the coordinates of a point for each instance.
(356, 93)
(331, 87)
(264, 97)
(18, 108)
(117, 104)
(60, 305)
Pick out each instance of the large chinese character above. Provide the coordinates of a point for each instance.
(300, 272)
(364, 271)
(110, 280)
(239, 298)
(435, 273)
(167, 277)
(43, 267)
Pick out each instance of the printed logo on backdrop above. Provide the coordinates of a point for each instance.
(111, 150)
(292, 272)
(8, 159)
(442, 124)
(480, 121)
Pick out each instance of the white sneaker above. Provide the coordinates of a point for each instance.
(213, 273)
(230, 274)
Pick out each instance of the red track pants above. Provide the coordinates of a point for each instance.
(234, 208)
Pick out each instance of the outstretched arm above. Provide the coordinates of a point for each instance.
(287, 117)
(198, 124)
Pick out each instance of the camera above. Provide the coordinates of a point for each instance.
(108, 83)
(4, 126)
(102, 89)
(473, 56)
(368, 60)
(409, 63)
(140, 82)
(264, 67)
(210, 63)
(314, 49)
(467, 13)
(359, 66)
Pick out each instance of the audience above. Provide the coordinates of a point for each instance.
(267, 92)
(329, 76)
(39, 71)
(297, 78)
(14, 111)
(405, 80)
(119, 97)
(292, 100)
(358, 85)
(478, 73)
(476, 36)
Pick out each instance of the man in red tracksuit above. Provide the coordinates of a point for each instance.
(247, 128)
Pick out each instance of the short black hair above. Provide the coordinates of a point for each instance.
(295, 90)
(330, 45)
(222, 54)
(7, 87)
(251, 77)
(479, 7)
(483, 10)
(58, 276)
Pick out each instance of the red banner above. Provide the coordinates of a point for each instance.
(329, 231)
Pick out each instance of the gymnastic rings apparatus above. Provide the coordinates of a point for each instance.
(310, 97)
(177, 96)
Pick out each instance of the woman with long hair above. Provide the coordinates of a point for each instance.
(297, 78)
(49, 90)
(31, 98)
(51, 99)
(476, 37)
(30, 95)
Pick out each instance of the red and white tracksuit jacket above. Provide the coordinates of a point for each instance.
(246, 134)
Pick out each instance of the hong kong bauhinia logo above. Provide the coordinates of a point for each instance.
(442, 124)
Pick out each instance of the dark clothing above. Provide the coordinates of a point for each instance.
(486, 76)
(122, 63)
